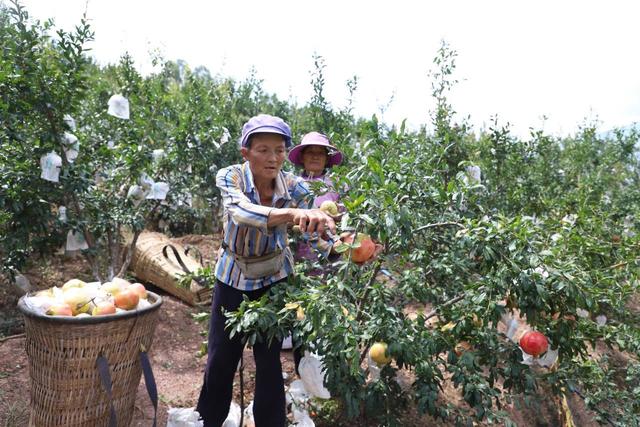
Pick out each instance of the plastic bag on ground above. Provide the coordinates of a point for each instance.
(233, 419)
(298, 397)
(301, 417)
(287, 344)
(312, 375)
(76, 241)
(248, 420)
(183, 417)
(296, 393)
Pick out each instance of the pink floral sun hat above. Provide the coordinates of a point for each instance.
(315, 138)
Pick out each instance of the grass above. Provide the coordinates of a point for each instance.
(15, 414)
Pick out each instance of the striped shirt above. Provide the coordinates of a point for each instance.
(245, 223)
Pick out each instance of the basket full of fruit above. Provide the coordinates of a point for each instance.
(68, 330)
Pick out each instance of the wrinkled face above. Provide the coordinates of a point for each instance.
(265, 155)
(314, 159)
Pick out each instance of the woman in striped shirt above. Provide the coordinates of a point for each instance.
(260, 201)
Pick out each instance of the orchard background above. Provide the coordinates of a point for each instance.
(476, 225)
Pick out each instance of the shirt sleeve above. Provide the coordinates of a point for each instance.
(323, 247)
(300, 193)
(241, 209)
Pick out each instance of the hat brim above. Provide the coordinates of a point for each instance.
(334, 157)
(266, 129)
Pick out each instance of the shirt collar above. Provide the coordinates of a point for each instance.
(281, 190)
(247, 178)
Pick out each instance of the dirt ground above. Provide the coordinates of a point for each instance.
(178, 370)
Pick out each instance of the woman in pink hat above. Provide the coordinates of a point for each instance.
(316, 156)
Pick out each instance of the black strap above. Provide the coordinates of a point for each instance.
(199, 279)
(105, 378)
(197, 252)
(150, 382)
(177, 255)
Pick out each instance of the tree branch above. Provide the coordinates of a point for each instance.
(439, 224)
(3, 339)
(132, 247)
(452, 301)
(127, 261)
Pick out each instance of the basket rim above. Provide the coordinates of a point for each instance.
(157, 302)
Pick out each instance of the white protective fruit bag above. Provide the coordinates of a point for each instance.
(119, 107)
(50, 164)
(546, 361)
(474, 174)
(71, 146)
(158, 191)
(62, 214)
(158, 155)
(70, 122)
(136, 193)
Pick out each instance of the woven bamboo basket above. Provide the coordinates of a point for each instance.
(150, 265)
(62, 351)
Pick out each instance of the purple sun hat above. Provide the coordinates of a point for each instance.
(264, 123)
(315, 138)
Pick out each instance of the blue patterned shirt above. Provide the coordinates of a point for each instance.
(245, 224)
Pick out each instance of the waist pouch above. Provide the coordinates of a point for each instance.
(257, 267)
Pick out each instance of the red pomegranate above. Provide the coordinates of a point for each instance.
(534, 343)
(363, 252)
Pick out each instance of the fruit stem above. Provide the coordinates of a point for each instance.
(452, 301)
(361, 301)
(355, 235)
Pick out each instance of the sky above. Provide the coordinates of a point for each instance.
(551, 65)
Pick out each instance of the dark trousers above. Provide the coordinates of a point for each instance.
(269, 407)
